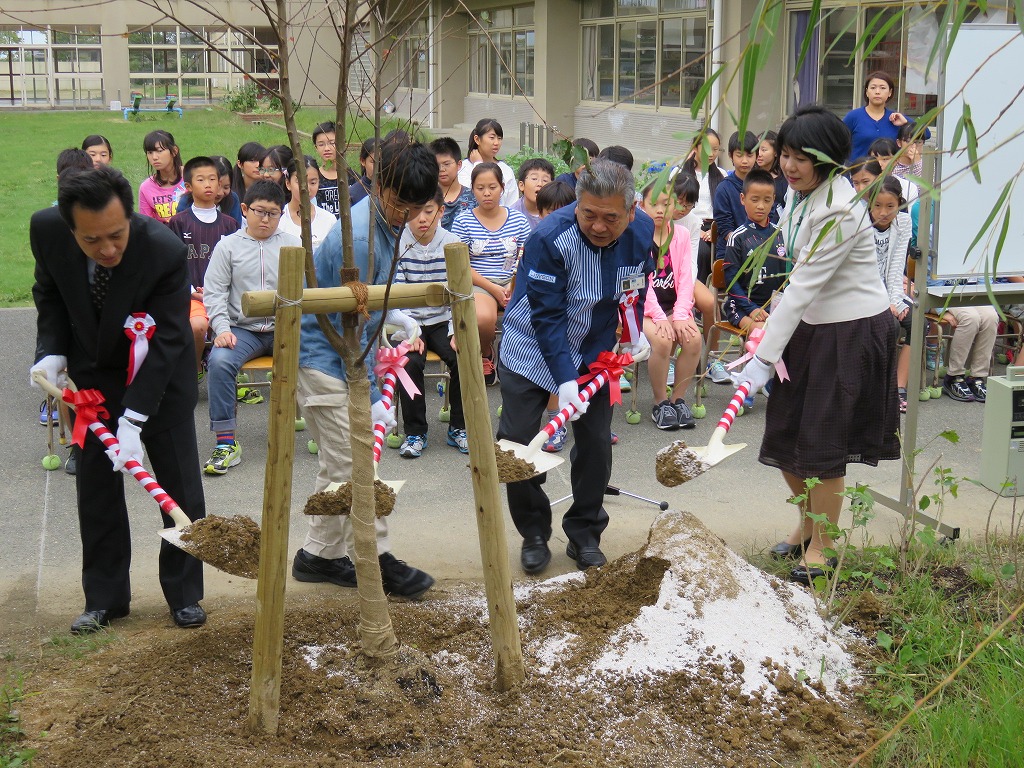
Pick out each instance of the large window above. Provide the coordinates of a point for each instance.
(171, 60)
(649, 52)
(414, 56)
(502, 49)
(51, 65)
(835, 66)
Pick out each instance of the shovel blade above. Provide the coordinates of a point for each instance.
(544, 462)
(715, 452)
(173, 536)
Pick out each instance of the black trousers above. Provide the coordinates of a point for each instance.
(414, 409)
(523, 407)
(104, 523)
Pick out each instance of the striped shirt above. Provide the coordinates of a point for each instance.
(493, 254)
(565, 308)
(418, 263)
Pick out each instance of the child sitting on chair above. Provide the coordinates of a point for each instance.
(668, 312)
(421, 260)
(754, 271)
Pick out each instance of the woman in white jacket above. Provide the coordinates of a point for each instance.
(834, 331)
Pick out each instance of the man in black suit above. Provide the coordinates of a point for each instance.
(97, 263)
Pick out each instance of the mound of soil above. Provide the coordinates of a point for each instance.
(339, 501)
(677, 655)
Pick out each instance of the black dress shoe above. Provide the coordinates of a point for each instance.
(535, 555)
(586, 557)
(786, 551)
(94, 621)
(189, 616)
(806, 575)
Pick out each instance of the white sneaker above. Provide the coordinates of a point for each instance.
(718, 374)
(624, 384)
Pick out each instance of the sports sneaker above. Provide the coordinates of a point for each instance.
(671, 372)
(718, 374)
(556, 442)
(901, 394)
(766, 390)
(314, 569)
(200, 376)
(978, 388)
(931, 358)
(748, 403)
(665, 416)
(490, 371)
(413, 446)
(686, 420)
(224, 456)
(457, 439)
(402, 579)
(957, 388)
(625, 384)
(71, 465)
(249, 395)
(46, 415)
(614, 439)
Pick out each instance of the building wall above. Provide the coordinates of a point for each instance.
(510, 112)
(648, 135)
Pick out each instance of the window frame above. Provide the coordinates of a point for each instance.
(486, 53)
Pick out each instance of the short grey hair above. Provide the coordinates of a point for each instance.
(606, 178)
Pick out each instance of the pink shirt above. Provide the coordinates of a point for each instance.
(679, 257)
(159, 202)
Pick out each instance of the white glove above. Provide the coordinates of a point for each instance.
(569, 392)
(386, 415)
(408, 328)
(639, 349)
(130, 442)
(757, 372)
(55, 369)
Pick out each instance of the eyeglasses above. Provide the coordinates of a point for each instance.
(446, 165)
(265, 171)
(325, 144)
(272, 215)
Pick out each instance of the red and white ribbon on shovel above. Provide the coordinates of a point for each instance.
(753, 341)
(139, 327)
(391, 365)
(612, 366)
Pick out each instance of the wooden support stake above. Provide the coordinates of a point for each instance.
(268, 639)
(501, 604)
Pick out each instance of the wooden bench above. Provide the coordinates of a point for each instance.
(133, 109)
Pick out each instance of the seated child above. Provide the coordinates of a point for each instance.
(495, 236)
(668, 312)
(533, 175)
(200, 225)
(553, 196)
(457, 198)
(361, 187)
(754, 271)
(421, 260)
(244, 261)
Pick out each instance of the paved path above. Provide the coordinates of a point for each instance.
(434, 526)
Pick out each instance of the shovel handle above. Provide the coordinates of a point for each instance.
(567, 413)
(388, 392)
(135, 469)
(733, 408)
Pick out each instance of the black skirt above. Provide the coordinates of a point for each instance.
(839, 405)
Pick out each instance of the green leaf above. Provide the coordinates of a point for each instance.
(924, 503)
(991, 216)
(1008, 571)
(870, 46)
(883, 640)
(811, 32)
(950, 435)
(702, 93)
(937, 45)
(972, 143)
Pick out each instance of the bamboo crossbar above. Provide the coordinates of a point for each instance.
(327, 300)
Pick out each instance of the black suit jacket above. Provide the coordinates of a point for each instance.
(153, 278)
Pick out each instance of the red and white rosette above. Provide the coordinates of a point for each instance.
(628, 306)
(139, 327)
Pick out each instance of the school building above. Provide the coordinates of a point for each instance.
(617, 71)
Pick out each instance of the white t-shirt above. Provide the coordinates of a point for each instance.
(320, 224)
(508, 178)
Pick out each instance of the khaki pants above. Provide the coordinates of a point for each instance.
(324, 402)
(973, 340)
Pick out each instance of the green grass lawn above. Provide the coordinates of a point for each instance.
(31, 142)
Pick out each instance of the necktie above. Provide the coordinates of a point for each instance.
(100, 283)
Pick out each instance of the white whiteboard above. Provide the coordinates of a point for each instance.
(997, 110)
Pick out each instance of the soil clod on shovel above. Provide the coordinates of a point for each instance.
(511, 468)
(339, 500)
(677, 464)
(230, 544)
